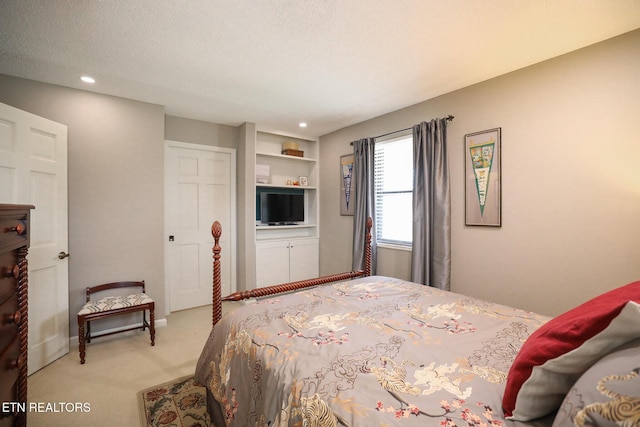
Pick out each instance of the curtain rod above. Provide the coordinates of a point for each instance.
(448, 118)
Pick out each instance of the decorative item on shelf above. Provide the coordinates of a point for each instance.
(262, 174)
(290, 145)
(291, 148)
(303, 181)
(296, 153)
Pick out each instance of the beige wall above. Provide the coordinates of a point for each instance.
(571, 180)
(199, 132)
(115, 170)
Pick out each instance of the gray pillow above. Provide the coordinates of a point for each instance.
(607, 394)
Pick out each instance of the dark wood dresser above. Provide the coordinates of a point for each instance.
(14, 242)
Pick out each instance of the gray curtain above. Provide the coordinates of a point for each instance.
(364, 207)
(431, 254)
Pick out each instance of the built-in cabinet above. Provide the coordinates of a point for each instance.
(282, 261)
(283, 253)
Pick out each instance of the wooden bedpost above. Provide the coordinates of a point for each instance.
(216, 232)
(367, 248)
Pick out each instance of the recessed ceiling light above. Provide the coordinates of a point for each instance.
(302, 125)
(88, 79)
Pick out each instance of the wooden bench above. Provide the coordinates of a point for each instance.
(110, 306)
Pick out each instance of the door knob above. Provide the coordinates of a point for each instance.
(63, 255)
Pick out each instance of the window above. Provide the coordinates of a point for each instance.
(393, 176)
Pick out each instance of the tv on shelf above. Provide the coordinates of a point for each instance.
(281, 209)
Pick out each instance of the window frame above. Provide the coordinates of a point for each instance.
(379, 143)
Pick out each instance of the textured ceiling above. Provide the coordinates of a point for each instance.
(331, 63)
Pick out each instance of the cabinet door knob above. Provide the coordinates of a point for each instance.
(10, 318)
(13, 271)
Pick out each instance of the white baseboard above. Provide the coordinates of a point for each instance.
(73, 341)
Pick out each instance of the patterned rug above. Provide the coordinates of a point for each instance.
(178, 403)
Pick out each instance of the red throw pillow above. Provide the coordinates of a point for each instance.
(556, 354)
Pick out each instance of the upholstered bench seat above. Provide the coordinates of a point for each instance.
(109, 306)
(113, 303)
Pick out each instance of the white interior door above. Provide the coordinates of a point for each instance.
(33, 170)
(200, 187)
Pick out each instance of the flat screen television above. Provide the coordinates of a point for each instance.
(282, 209)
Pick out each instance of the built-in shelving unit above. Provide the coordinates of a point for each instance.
(285, 173)
(264, 250)
(293, 249)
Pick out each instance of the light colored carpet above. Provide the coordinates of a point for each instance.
(116, 369)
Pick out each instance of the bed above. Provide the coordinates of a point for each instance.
(360, 350)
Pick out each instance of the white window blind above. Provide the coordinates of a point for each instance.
(393, 176)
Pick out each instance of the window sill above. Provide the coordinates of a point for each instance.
(394, 247)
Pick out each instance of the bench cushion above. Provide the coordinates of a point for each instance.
(113, 303)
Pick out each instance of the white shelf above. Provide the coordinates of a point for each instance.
(285, 232)
(296, 187)
(284, 156)
(283, 227)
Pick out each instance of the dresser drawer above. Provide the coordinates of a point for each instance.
(14, 232)
(9, 355)
(8, 375)
(9, 321)
(8, 281)
(9, 381)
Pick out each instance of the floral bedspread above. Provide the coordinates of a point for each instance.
(375, 351)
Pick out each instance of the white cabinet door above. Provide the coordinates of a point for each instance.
(303, 259)
(272, 263)
(283, 261)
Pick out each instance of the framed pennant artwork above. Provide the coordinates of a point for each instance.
(347, 198)
(483, 178)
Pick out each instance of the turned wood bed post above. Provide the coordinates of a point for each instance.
(367, 248)
(216, 232)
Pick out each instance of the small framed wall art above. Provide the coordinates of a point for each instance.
(483, 178)
(346, 184)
